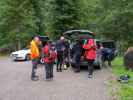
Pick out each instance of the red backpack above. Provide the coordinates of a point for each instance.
(50, 54)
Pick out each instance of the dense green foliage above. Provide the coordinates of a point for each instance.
(124, 91)
(21, 19)
(117, 21)
(66, 14)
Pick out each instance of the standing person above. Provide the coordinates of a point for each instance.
(66, 56)
(77, 52)
(35, 55)
(49, 59)
(60, 47)
(90, 54)
(99, 54)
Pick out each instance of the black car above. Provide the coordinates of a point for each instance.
(73, 35)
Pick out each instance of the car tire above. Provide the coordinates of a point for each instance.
(28, 57)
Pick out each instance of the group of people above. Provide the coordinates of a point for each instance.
(85, 50)
(49, 57)
(59, 52)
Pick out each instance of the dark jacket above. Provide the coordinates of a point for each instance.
(77, 49)
(60, 45)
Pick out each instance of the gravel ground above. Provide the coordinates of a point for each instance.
(15, 84)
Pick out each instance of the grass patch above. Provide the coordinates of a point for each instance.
(125, 91)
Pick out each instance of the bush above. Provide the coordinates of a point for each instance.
(128, 58)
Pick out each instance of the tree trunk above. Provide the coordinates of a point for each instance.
(18, 45)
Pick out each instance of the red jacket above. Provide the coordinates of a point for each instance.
(90, 49)
(50, 55)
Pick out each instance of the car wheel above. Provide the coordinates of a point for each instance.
(27, 58)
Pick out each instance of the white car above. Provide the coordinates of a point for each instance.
(23, 54)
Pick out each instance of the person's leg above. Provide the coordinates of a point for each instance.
(60, 61)
(67, 60)
(90, 68)
(57, 66)
(34, 68)
(60, 66)
(77, 64)
(51, 70)
(47, 69)
(109, 63)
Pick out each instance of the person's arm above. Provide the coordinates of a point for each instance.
(46, 51)
(33, 51)
(94, 47)
(86, 47)
(56, 45)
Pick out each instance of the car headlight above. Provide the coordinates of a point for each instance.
(14, 55)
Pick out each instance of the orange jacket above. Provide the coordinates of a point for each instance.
(34, 50)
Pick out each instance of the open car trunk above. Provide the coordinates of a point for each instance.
(74, 35)
(78, 34)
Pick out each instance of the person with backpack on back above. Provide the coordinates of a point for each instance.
(90, 55)
(49, 59)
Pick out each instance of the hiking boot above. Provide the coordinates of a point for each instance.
(90, 76)
(58, 70)
(36, 78)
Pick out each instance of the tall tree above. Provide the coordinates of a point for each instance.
(16, 20)
(66, 15)
(115, 21)
(38, 14)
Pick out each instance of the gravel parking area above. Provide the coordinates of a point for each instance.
(15, 84)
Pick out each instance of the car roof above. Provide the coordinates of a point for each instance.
(72, 31)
